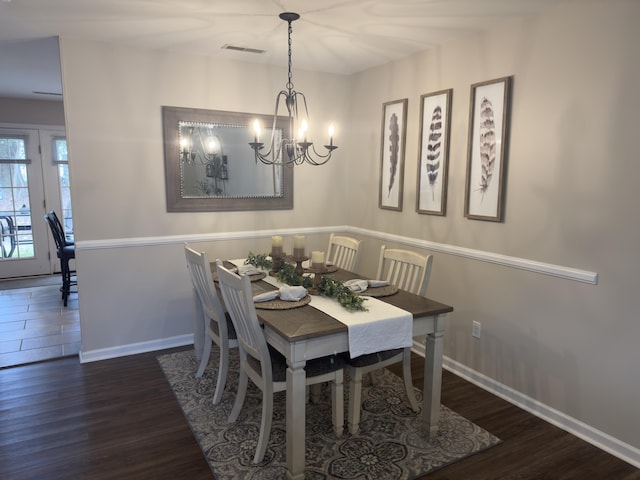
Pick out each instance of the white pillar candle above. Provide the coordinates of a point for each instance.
(317, 257)
(298, 246)
(276, 244)
(298, 241)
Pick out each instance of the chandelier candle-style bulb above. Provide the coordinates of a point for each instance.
(302, 132)
(256, 130)
(292, 147)
(213, 147)
(187, 153)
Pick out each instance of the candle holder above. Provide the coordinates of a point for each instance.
(299, 257)
(277, 256)
(318, 269)
(298, 246)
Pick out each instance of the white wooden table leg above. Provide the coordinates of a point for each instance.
(198, 326)
(433, 378)
(296, 421)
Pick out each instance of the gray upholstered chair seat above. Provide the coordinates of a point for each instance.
(313, 368)
(372, 358)
(230, 328)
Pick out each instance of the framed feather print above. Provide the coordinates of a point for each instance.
(433, 155)
(392, 146)
(486, 157)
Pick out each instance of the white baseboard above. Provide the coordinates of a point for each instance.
(135, 348)
(602, 440)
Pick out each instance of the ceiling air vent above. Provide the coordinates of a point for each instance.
(241, 49)
(47, 93)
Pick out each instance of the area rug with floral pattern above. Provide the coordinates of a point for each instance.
(389, 446)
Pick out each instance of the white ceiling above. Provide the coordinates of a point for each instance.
(337, 36)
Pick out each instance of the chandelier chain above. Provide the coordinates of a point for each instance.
(290, 82)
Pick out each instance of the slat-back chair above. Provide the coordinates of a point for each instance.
(264, 365)
(217, 324)
(344, 252)
(405, 269)
(408, 271)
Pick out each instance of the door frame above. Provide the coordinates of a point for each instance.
(43, 196)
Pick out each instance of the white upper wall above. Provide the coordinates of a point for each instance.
(113, 99)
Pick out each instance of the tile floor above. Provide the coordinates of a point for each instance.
(35, 326)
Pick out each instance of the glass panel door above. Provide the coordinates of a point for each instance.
(60, 159)
(24, 248)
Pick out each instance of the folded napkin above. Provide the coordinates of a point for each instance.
(266, 296)
(307, 264)
(378, 283)
(292, 294)
(248, 270)
(230, 266)
(357, 285)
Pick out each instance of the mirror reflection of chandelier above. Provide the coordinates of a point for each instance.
(199, 146)
(187, 153)
(290, 149)
(216, 161)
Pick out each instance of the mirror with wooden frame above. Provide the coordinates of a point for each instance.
(210, 166)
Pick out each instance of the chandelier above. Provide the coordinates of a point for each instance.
(291, 150)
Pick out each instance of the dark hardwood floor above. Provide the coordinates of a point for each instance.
(118, 419)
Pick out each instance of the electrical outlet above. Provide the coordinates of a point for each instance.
(476, 329)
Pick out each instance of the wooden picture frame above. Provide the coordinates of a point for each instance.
(184, 171)
(392, 149)
(487, 147)
(433, 154)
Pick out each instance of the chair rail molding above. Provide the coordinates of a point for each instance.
(567, 273)
(560, 271)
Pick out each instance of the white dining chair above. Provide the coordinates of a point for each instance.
(344, 252)
(264, 365)
(408, 271)
(217, 324)
(405, 269)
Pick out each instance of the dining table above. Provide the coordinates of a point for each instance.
(305, 332)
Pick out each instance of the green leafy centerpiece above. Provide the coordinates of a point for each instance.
(260, 260)
(328, 287)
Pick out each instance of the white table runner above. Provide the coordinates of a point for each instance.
(382, 327)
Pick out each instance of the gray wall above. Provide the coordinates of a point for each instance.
(570, 201)
(134, 294)
(35, 112)
(567, 347)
